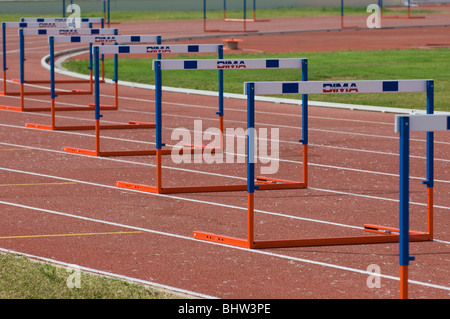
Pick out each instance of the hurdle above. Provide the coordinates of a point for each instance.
(37, 25)
(144, 49)
(404, 124)
(230, 64)
(384, 234)
(342, 18)
(22, 81)
(106, 10)
(98, 40)
(253, 19)
(408, 15)
(244, 20)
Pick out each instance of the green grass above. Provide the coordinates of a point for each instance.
(342, 65)
(124, 16)
(22, 278)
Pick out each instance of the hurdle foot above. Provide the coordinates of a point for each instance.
(221, 239)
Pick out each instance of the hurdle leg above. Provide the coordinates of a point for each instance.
(97, 136)
(4, 82)
(22, 97)
(251, 220)
(430, 201)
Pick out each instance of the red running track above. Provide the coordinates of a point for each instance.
(66, 208)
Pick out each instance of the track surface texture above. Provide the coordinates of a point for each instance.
(66, 208)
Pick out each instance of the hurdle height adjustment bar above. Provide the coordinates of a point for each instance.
(229, 64)
(319, 87)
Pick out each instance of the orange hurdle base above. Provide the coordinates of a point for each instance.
(266, 184)
(130, 125)
(122, 153)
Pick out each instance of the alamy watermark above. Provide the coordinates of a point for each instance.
(374, 20)
(374, 279)
(74, 279)
(231, 146)
(74, 19)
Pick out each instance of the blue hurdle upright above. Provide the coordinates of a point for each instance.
(137, 49)
(404, 124)
(221, 64)
(91, 40)
(389, 235)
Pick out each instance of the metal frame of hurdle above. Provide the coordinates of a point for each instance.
(404, 124)
(244, 20)
(408, 15)
(384, 234)
(21, 25)
(142, 49)
(52, 31)
(264, 182)
(91, 40)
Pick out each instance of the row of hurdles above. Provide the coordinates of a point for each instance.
(107, 41)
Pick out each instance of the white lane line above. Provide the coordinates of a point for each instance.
(232, 206)
(235, 154)
(109, 274)
(271, 254)
(242, 122)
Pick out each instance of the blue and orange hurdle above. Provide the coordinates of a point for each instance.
(229, 64)
(140, 49)
(44, 91)
(91, 40)
(252, 19)
(404, 124)
(389, 235)
(106, 10)
(343, 26)
(22, 25)
(407, 16)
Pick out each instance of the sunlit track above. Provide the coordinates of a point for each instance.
(172, 229)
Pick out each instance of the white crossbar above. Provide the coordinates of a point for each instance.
(339, 87)
(148, 49)
(425, 122)
(223, 64)
(42, 25)
(69, 31)
(106, 39)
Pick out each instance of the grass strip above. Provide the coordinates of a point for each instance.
(23, 278)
